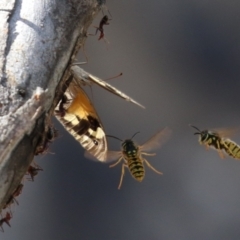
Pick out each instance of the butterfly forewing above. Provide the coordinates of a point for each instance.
(88, 78)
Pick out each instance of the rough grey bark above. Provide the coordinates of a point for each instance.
(39, 40)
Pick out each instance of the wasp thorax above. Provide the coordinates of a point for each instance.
(128, 145)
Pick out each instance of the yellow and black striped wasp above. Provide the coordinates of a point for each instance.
(132, 154)
(216, 140)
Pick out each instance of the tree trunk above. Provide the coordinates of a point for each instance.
(39, 41)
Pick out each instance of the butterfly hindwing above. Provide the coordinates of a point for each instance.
(77, 114)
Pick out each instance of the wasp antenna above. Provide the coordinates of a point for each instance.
(134, 135)
(195, 127)
(114, 137)
(197, 133)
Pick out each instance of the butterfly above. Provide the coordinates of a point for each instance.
(77, 114)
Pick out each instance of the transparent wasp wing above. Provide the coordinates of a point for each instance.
(157, 140)
(87, 78)
(110, 156)
(226, 132)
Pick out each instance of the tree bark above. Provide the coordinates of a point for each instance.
(39, 41)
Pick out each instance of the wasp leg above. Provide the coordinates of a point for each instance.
(221, 154)
(122, 174)
(148, 154)
(116, 163)
(150, 166)
(207, 147)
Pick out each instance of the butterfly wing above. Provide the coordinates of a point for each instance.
(84, 77)
(157, 140)
(80, 119)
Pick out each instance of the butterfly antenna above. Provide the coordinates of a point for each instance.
(119, 75)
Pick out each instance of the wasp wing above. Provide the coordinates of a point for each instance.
(226, 132)
(109, 157)
(87, 78)
(157, 140)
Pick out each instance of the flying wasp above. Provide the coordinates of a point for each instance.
(217, 141)
(132, 155)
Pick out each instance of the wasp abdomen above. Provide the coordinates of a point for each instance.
(232, 149)
(136, 168)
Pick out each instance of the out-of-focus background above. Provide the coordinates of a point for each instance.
(181, 59)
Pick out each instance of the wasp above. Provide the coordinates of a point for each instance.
(132, 155)
(217, 141)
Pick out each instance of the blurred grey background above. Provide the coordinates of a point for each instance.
(181, 59)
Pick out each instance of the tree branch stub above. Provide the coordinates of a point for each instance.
(39, 42)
